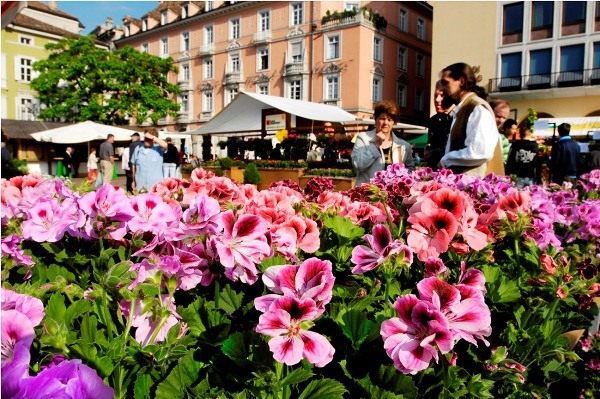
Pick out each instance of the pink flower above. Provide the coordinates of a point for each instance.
(242, 245)
(45, 221)
(434, 267)
(413, 338)
(146, 319)
(15, 370)
(108, 210)
(16, 327)
(548, 263)
(304, 231)
(382, 248)
(560, 293)
(151, 214)
(288, 322)
(202, 217)
(430, 235)
(31, 307)
(360, 212)
(10, 248)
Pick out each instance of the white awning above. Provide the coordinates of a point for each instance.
(244, 114)
(579, 126)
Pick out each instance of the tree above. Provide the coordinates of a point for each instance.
(80, 82)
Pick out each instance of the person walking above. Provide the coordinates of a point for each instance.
(170, 159)
(508, 136)
(439, 128)
(69, 162)
(473, 147)
(92, 166)
(564, 158)
(148, 161)
(125, 162)
(376, 149)
(523, 160)
(107, 158)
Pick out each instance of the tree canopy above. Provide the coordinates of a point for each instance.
(80, 82)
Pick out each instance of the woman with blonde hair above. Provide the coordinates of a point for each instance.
(92, 165)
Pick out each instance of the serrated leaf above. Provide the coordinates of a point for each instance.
(500, 288)
(344, 227)
(55, 309)
(75, 310)
(235, 346)
(230, 300)
(141, 387)
(180, 378)
(390, 379)
(323, 389)
(116, 273)
(295, 377)
(103, 365)
(377, 393)
(191, 316)
(357, 327)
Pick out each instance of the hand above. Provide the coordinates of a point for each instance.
(149, 136)
(381, 140)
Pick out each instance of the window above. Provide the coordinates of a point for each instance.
(333, 47)
(4, 82)
(419, 100)
(513, 18)
(401, 95)
(264, 20)
(573, 12)
(163, 18)
(185, 72)
(230, 94)
(164, 47)
(540, 62)
(403, 22)
(332, 88)
(542, 14)
(234, 62)
(297, 14)
(207, 68)
(420, 65)
(185, 41)
(25, 40)
(296, 90)
(184, 102)
(184, 11)
(421, 28)
(144, 47)
(263, 58)
(263, 88)
(25, 69)
(208, 5)
(402, 52)
(351, 6)
(296, 51)
(510, 70)
(127, 30)
(234, 32)
(144, 24)
(596, 60)
(376, 92)
(378, 49)
(209, 36)
(27, 108)
(207, 101)
(571, 58)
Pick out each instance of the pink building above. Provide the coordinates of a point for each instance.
(346, 53)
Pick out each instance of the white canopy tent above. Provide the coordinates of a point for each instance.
(82, 132)
(583, 126)
(244, 114)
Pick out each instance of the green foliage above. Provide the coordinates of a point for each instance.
(226, 162)
(251, 174)
(330, 172)
(80, 82)
(281, 164)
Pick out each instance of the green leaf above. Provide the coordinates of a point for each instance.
(390, 379)
(116, 274)
(343, 227)
(75, 310)
(141, 387)
(229, 300)
(323, 389)
(56, 308)
(357, 327)
(103, 365)
(500, 288)
(235, 346)
(296, 376)
(191, 316)
(377, 393)
(180, 378)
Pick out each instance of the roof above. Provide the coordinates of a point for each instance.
(15, 129)
(31, 23)
(244, 114)
(38, 5)
(580, 126)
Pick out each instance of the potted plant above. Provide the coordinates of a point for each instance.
(274, 171)
(251, 174)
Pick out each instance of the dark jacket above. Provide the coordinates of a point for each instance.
(523, 160)
(172, 155)
(437, 136)
(565, 157)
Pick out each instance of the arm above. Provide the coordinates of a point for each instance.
(481, 141)
(364, 153)
(409, 160)
(163, 144)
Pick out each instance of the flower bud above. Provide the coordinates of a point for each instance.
(548, 263)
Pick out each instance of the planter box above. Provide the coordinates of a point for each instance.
(271, 175)
(339, 183)
(234, 173)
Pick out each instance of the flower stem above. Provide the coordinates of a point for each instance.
(217, 293)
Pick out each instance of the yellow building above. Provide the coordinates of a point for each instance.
(543, 55)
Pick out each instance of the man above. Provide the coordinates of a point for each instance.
(69, 162)
(125, 162)
(148, 161)
(564, 160)
(473, 147)
(509, 134)
(170, 160)
(439, 127)
(523, 160)
(107, 158)
(129, 174)
(501, 110)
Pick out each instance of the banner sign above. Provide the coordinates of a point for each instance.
(275, 122)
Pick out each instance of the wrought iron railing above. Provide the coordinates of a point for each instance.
(584, 77)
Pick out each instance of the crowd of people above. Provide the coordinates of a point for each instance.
(469, 135)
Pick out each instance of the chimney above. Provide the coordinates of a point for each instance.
(52, 5)
(109, 22)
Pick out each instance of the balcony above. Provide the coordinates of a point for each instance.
(294, 68)
(184, 85)
(262, 37)
(207, 49)
(233, 77)
(183, 117)
(206, 115)
(334, 102)
(585, 77)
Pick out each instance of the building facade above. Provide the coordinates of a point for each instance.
(23, 42)
(543, 55)
(348, 54)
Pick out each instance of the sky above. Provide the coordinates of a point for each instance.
(92, 13)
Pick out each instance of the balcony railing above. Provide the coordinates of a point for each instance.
(184, 85)
(337, 22)
(233, 77)
(183, 117)
(294, 68)
(262, 37)
(206, 49)
(334, 102)
(584, 77)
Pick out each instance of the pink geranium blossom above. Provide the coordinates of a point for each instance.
(151, 214)
(288, 322)
(381, 249)
(147, 318)
(31, 307)
(430, 235)
(45, 221)
(202, 216)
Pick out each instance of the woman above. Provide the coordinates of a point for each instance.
(376, 149)
(92, 165)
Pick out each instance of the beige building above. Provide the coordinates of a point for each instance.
(543, 55)
(350, 54)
